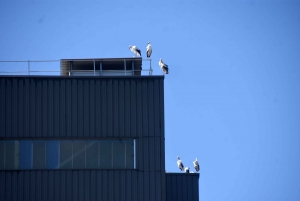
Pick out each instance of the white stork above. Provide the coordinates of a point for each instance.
(149, 50)
(187, 170)
(196, 165)
(164, 67)
(135, 50)
(179, 163)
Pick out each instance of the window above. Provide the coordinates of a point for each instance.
(67, 154)
(52, 153)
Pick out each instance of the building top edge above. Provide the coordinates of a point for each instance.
(85, 77)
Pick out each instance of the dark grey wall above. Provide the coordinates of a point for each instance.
(82, 185)
(86, 107)
(182, 186)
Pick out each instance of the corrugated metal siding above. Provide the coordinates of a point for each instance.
(182, 187)
(81, 107)
(86, 107)
(92, 185)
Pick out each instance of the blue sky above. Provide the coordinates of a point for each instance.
(232, 97)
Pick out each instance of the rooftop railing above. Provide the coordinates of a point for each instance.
(53, 68)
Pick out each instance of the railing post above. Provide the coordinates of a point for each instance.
(28, 67)
(132, 67)
(94, 68)
(101, 68)
(150, 73)
(125, 66)
(71, 67)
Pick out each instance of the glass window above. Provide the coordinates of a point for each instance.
(66, 150)
(25, 154)
(39, 154)
(119, 154)
(106, 154)
(79, 154)
(66, 154)
(52, 154)
(2, 153)
(92, 154)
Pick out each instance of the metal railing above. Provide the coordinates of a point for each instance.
(53, 67)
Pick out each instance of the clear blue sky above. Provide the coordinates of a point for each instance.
(232, 97)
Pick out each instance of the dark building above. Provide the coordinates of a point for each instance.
(96, 132)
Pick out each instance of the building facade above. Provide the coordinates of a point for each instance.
(85, 136)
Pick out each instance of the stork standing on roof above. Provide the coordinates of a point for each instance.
(149, 50)
(179, 163)
(196, 165)
(187, 170)
(164, 67)
(135, 50)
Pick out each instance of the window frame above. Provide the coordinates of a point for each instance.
(86, 141)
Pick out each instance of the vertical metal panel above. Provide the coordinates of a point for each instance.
(74, 108)
(50, 189)
(14, 110)
(86, 106)
(99, 183)
(150, 107)
(151, 154)
(127, 108)
(121, 109)
(157, 151)
(145, 104)
(8, 185)
(26, 107)
(151, 181)
(81, 186)
(93, 186)
(182, 187)
(139, 111)
(26, 185)
(114, 107)
(75, 185)
(56, 111)
(100, 112)
(133, 108)
(38, 114)
(91, 111)
(56, 188)
(68, 184)
(2, 108)
(140, 189)
(105, 185)
(20, 185)
(122, 185)
(33, 185)
(62, 108)
(158, 186)
(14, 187)
(146, 186)
(62, 181)
(32, 106)
(8, 107)
(80, 107)
(68, 108)
(195, 188)
(45, 185)
(50, 108)
(38, 189)
(109, 113)
(44, 109)
(86, 183)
